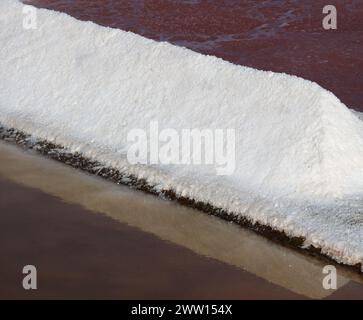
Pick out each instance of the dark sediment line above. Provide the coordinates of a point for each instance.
(78, 161)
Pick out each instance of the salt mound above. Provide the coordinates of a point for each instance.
(299, 157)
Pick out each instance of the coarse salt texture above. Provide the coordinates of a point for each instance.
(299, 150)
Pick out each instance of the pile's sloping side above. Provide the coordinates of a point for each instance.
(299, 150)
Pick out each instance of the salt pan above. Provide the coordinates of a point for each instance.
(299, 150)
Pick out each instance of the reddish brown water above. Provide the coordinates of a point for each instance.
(80, 254)
(83, 255)
(279, 35)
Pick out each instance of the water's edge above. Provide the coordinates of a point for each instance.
(78, 161)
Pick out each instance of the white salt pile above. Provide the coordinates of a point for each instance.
(299, 150)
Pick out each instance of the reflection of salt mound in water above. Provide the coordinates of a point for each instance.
(299, 150)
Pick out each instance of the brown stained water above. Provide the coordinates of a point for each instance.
(93, 239)
(83, 254)
(80, 254)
